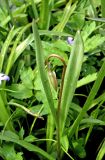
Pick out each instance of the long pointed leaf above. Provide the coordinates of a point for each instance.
(71, 77)
(4, 115)
(41, 67)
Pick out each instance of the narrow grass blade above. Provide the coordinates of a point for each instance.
(4, 115)
(22, 46)
(71, 77)
(97, 100)
(92, 121)
(5, 46)
(12, 56)
(97, 19)
(85, 80)
(53, 33)
(101, 152)
(59, 3)
(89, 100)
(41, 67)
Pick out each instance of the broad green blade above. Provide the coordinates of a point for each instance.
(71, 77)
(41, 69)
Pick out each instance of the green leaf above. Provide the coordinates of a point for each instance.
(79, 148)
(85, 80)
(65, 143)
(102, 8)
(91, 120)
(21, 133)
(26, 145)
(45, 14)
(71, 77)
(6, 44)
(42, 71)
(23, 45)
(61, 45)
(12, 135)
(58, 47)
(20, 91)
(54, 49)
(10, 153)
(77, 20)
(88, 29)
(17, 2)
(101, 152)
(30, 138)
(27, 77)
(75, 107)
(41, 109)
(5, 116)
(88, 69)
(93, 42)
(97, 19)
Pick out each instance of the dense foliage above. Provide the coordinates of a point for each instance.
(52, 72)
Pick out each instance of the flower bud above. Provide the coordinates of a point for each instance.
(53, 79)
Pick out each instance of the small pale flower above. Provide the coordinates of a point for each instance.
(70, 40)
(4, 77)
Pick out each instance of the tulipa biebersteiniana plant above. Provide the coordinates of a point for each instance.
(73, 69)
(70, 82)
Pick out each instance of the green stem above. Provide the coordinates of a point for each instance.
(59, 103)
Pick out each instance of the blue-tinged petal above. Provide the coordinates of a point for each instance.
(70, 40)
(4, 77)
